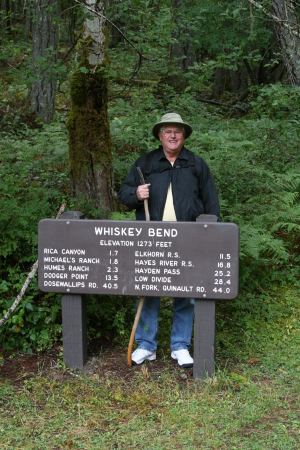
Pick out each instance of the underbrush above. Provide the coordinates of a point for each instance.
(34, 184)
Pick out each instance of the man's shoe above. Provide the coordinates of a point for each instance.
(183, 357)
(140, 355)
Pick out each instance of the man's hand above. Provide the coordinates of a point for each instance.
(142, 192)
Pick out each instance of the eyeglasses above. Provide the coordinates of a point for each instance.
(176, 132)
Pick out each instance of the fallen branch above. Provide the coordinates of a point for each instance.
(22, 292)
(15, 67)
(28, 280)
(150, 83)
(241, 97)
(223, 105)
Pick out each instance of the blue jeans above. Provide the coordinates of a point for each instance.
(183, 316)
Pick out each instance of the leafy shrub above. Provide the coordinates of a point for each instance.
(33, 185)
(276, 101)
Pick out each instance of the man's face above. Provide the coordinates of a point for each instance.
(172, 139)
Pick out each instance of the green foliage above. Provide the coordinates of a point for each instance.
(277, 102)
(33, 185)
(148, 27)
(258, 182)
(254, 163)
(214, 35)
(254, 160)
(128, 124)
(109, 316)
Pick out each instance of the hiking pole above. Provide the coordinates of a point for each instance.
(139, 310)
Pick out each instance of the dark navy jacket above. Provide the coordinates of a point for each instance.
(193, 188)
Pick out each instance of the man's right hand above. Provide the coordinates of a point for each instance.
(142, 192)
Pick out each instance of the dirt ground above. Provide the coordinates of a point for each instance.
(103, 360)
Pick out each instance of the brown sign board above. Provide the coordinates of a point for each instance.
(169, 259)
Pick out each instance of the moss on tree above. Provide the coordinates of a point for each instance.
(90, 144)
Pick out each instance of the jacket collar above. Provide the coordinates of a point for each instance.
(182, 154)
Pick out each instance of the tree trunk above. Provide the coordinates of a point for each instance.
(44, 56)
(289, 42)
(71, 21)
(90, 145)
(4, 19)
(16, 10)
(238, 80)
(27, 20)
(182, 53)
(220, 82)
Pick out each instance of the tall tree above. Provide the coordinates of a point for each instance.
(44, 57)
(3, 17)
(283, 14)
(28, 7)
(288, 37)
(90, 144)
(182, 53)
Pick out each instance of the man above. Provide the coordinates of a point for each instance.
(179, 187)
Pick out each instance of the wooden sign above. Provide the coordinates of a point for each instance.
(170, 259)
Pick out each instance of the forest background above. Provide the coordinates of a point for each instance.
(80, 89)
(229, 68)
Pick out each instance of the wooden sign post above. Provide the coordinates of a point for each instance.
(172, 259)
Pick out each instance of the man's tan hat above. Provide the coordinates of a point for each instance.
(171, 119)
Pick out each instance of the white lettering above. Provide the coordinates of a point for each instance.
(149, 287)
(200, 289)
(146, 262)
(140, 278)
(178, 288)
(161, 279)
(171, 271)
(146, 270)
(160, 232)
(55, 275)
(88, 260)
(51, 267)
(67, 284)
(149, 254)
(79, 268)
(117, 243)
(79, 276)
(66, 251)
(59, 259)
(168, 263)
(117, 231)
(163, 244)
